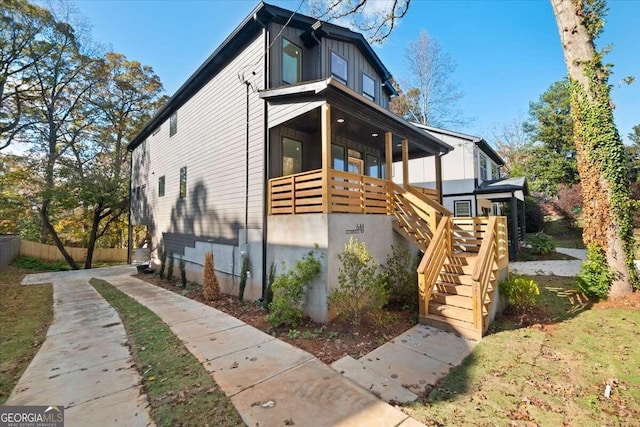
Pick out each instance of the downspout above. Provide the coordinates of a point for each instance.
(129, 228)
(267, 155)
(246, 170)
(318, 62)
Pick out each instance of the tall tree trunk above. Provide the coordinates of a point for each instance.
(44, 217)
(601, 159)
(93, 236)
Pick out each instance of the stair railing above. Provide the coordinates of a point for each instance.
(486, 260)
(437, 252)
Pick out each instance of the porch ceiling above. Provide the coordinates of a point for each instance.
(362, 118)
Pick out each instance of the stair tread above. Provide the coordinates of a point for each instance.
(460, 301)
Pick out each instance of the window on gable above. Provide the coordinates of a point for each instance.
(368, 87)
(183, 182)
(483, 168)
(462, 208)
(494, 171)
(161, 186)
(291, 62)
(173, 124)
(339, 67)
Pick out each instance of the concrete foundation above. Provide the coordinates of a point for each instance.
(290, 237)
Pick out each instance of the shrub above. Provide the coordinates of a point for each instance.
(595, 276)
(268, 291)
(170, 267)
(401, 278)
(182, 266)
(244, 273)
(210, 285)
(288, 291)
(533, 216)
(521, 292)
(360, 289)
(38, 264)
(541, 244)
(163, 263)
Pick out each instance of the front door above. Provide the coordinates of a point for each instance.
(355, 165)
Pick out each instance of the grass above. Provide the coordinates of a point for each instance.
(563, 236)
(525, 254)
(179, 389)
(32, 263)
(25, 315)
(549, 374)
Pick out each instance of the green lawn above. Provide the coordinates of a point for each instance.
(25, 315)
(180, 391)
(563, 236)
(550, 374)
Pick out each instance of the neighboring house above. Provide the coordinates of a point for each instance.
(282, 141)
(471, 183)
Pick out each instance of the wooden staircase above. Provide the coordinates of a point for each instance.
(460, 269)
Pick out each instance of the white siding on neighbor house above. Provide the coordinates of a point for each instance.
(449, 202)
(210, 141)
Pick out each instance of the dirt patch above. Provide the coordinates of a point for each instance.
(630, 302)
(328, 342)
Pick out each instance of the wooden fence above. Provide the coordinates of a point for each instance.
(51, 253)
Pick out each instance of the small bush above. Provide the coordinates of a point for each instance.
(288, 291)
(541, 244)
(360, 289)
(244, 273)
(182, 266)
(595, 276)
(170, 267)
(210, 285)
(37, 264)
(163, 263)
(521, 292)
(401, 277)
(268, 291)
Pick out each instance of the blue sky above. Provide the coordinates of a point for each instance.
(508, 52)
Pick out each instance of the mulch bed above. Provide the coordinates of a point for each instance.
(328, 342)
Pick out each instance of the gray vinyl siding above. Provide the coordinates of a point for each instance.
(210, 141)
(357, 64)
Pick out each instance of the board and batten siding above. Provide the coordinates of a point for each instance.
(210, 141)
(310, 66)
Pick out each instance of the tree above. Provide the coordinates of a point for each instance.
(550, 128)
(432, 98)
(633, 154)
(513, 145)
(608, 226)
(22, 23)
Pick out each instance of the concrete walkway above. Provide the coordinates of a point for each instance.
(563, 268)
(84, 363)
(269, 381)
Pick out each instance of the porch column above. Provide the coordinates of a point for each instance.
(325, 130)
(513, 238)
(439, 176)
(405, 163)
(388, 162)
(522, 217)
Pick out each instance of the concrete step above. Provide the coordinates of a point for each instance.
(379, 385)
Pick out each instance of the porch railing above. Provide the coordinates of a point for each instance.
(349, 193)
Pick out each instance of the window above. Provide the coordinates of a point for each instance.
(373, 166)
(337, 157)
(495, 174)
(291, 62)
(173, 124)
(354, 162)
(183, 182)
(483, 167)
(368, 87)
(496, 208)
(339, 67)
(291, 156)
(161, 186)
(462, 208)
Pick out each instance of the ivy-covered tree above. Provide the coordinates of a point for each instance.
(607, 202)
(633, 154)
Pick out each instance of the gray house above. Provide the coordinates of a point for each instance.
(282, 140)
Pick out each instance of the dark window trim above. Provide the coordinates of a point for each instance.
(299, 68)
(157, 131)
(344, 155)
(173, 123)
(455, 207)
(368, 95)
(183, 188)
(162, 182)
(340, 79)
(367, 165)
